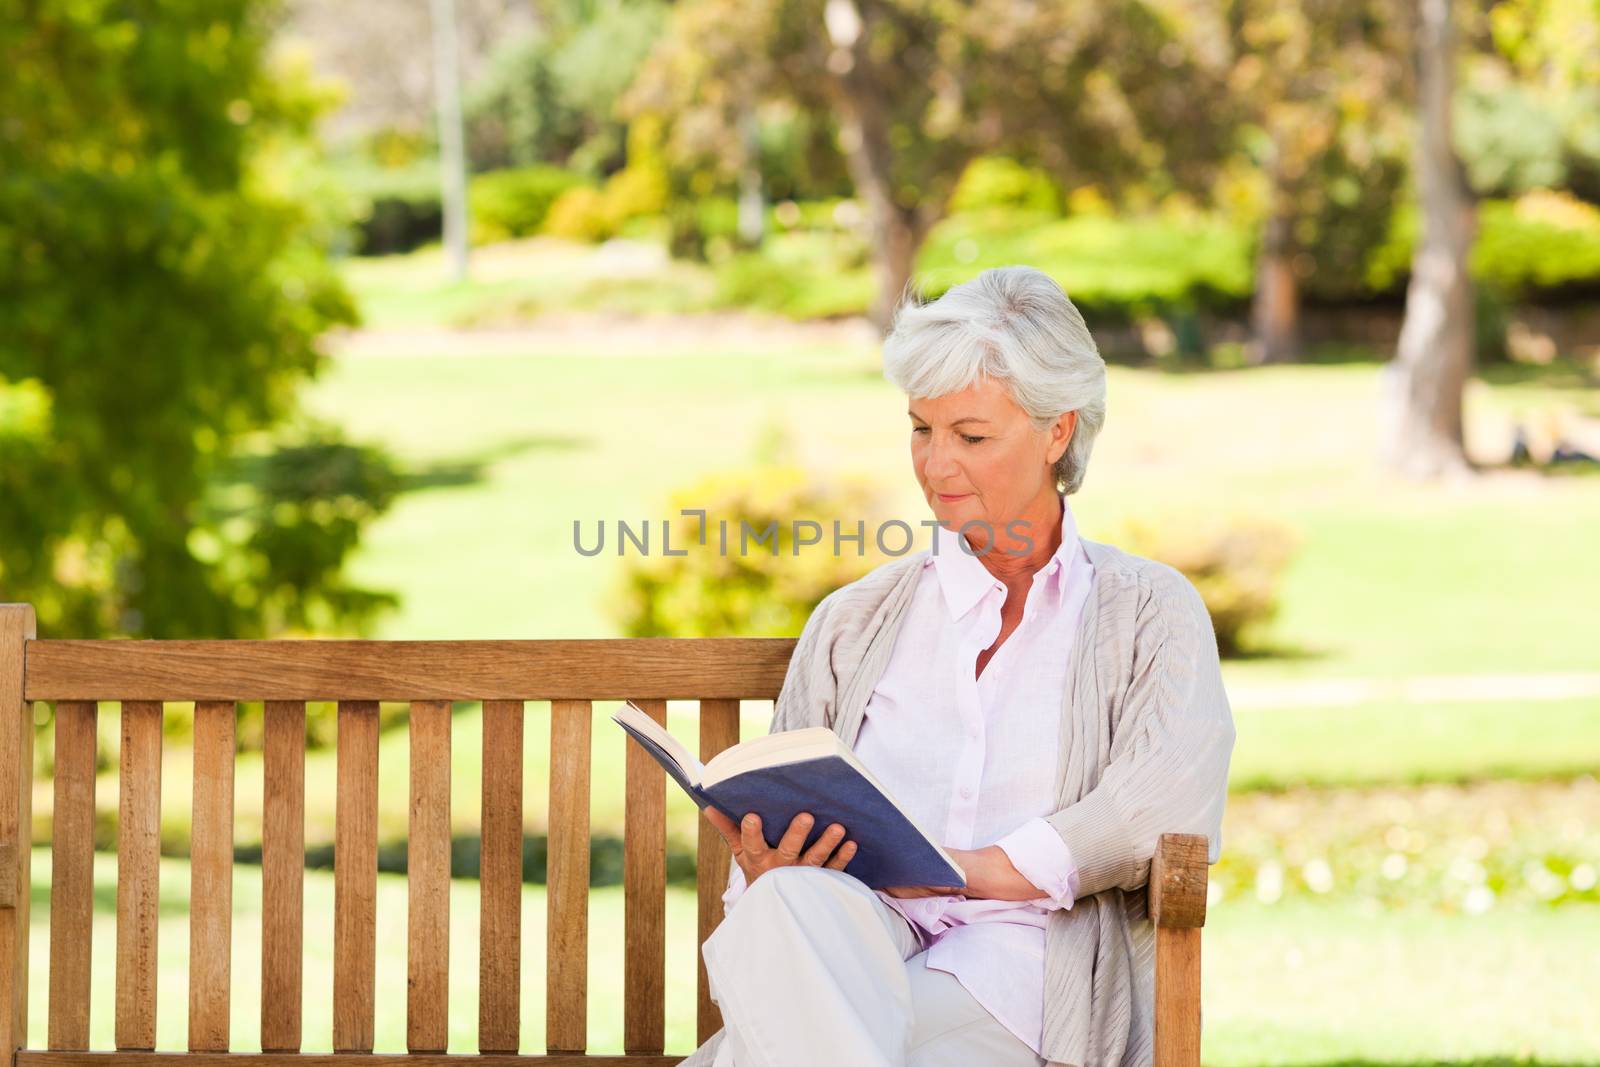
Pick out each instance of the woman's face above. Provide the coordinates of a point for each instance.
(978, 457)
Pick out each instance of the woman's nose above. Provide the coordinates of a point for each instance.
(941, 461)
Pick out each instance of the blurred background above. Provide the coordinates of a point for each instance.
(340, 318)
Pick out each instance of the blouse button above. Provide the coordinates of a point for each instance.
(966, 792)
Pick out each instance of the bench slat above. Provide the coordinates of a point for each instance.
(600, 669)
(567, 928)
(211, 878)
(283, 861)
(355, 876)
(719, 730)
(72, 874)
(644, 870)
(428, 880)
(138, 874)
(500, 880)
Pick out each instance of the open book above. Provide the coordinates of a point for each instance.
(782, 774)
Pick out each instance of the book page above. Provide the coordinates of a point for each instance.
(640, 720)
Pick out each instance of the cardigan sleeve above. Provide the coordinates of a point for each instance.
(1168, 771)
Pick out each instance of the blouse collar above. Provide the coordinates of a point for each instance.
(964, 579)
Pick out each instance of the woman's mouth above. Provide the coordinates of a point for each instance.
(951, 498)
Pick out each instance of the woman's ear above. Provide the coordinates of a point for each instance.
(1061, 435)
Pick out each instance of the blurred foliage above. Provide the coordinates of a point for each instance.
(1116, 267)
(1543, 241)
(1126, 97)
(516, 202)
(163, 260)
(752, 588)
(1527, 115)
(1235, 563)
(393, 206)
(1458, 849)
(637, 191)
(550, 97)
(998, 181)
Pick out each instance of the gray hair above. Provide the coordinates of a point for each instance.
(1017, 325)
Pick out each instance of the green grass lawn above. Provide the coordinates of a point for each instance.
(1289, 984)
(1390, 580)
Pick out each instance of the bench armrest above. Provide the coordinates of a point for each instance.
(1178, 882)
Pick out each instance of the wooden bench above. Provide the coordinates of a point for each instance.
(141, 675)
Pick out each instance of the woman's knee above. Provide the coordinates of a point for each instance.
(784, 883)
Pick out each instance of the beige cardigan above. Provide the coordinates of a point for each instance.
(1146, 737)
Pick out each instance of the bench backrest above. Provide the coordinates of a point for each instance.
(215, 675)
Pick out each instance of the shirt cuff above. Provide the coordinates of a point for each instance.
(1039, 854)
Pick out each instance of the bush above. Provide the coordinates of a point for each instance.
(1234, 563)
(759, 592)
(996, 181)
(516, 202)
(1541, 241)
(395, 208)
(580, 214)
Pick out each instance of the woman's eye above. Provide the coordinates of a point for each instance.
(920, 429)
(971, 440)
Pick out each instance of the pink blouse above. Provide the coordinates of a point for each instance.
(973, 757)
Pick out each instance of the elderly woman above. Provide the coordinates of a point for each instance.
(1045, 705)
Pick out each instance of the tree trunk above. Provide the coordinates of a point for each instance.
(1275, 309)
(452, 150)
(1424, 383)
(895, 231)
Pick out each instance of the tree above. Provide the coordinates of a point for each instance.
(1425, 381)
(1321, 152)
(1131, 97)
(165, 285)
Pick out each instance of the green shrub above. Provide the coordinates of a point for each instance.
(996, 181)
(761, 591)
(395, 208)
(580, 214)
(515, 202)
(1235, 563)
(1541, 241)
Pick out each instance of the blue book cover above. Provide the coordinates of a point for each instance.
(783, 774)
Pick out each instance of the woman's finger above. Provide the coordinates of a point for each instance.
(725, 826)
(794, 837)
(819, 852)
(842, 856)
(751, 839)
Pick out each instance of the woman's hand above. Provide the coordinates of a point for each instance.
(990, 876)
(754, 857)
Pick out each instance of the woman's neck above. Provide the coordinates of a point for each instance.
(1011, 559)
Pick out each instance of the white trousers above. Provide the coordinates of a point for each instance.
(812, 967)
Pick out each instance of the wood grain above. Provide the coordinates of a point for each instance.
(1177, 1036)
(72, 874)
(658, 667)
(500, 880)
(17, 629)
(567, 925)
(283, 861)
(428, 880)
(138, 874)
(355, 877)
(211, 878)
(719, 730)
(644, 878)
(1178, 881)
